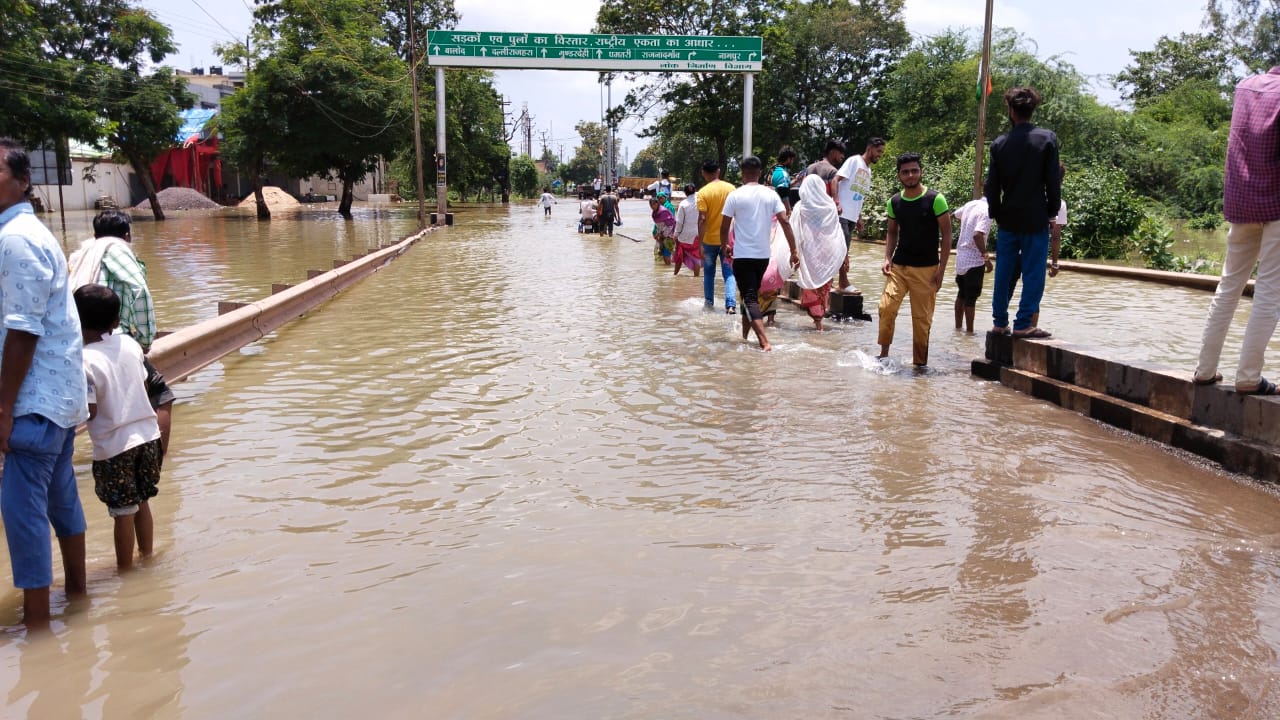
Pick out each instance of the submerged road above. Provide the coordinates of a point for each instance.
(520, 473)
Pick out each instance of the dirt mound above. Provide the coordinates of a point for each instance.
(275, 197)
(179, 198)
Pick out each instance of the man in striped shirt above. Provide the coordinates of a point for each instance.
(108, 259)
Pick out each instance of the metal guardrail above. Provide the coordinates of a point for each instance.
(179, 354)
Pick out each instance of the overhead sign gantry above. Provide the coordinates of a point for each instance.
(556, 51)
(659, 53)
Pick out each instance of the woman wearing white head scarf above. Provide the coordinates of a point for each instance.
(820, 243)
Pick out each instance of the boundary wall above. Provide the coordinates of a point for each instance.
(1239, 432)
(179, 354)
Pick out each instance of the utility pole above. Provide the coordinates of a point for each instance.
(417, 123)
(526, 136)
(984, 77)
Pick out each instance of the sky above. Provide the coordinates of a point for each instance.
(1093, 35)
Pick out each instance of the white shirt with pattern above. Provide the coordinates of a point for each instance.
(35, 297)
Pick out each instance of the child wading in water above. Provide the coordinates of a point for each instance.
(126, 437)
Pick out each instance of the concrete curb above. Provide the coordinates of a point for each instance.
(1189, 280)
(1240, 432)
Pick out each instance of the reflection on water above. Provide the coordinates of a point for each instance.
(521, 473)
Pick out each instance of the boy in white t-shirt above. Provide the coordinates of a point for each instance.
(971, 259)
(126, 436)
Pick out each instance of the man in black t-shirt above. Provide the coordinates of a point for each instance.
(608, 216)
(917, 245)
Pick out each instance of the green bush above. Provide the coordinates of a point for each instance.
(1102, 212)
(1154, 237)
(1207, 221)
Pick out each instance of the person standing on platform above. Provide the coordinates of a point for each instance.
(42, 397)
(971, 259)
(711, 199)
(749, 211)
(828, 167)
(688, 244)
(608, 211)
(780, 177)
(1251, 204)
(108, 259)
(853, 182)
(816, 225)
(1023, 190)
(917, 244)
(547, 200)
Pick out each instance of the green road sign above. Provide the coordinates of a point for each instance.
(675, 53)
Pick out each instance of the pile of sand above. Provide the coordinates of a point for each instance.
(276, 199)
(179, 198)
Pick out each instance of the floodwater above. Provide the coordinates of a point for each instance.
(520, 473)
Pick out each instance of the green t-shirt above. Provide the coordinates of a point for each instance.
(918, 230)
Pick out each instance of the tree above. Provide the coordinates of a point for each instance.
(932, 100)
(524, 176)
(75, 70)
(829, 64)
(1172, 63)
(1251, 27)
(147, 125)
(586, 163)
(705, 105)
(548, 160)
(346, 104)
(646, 163)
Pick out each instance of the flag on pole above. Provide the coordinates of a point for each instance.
(978, 88)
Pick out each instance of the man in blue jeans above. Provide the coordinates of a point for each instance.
(42, 396)
(1023, 190)
(710, 206)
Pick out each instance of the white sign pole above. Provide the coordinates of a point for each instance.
(442, 189)
(748, 93)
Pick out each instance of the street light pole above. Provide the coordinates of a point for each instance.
(417, 124)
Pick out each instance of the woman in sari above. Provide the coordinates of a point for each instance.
(664, 229)
(820, 244)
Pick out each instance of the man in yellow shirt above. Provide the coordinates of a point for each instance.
(710, 204)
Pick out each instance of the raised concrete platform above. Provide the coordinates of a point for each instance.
(1241, 432)
(841, 306)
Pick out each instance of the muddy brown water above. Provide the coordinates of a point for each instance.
(520, 473)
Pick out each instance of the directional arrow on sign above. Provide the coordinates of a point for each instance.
(544, 52)
(599, 54)
(692, 55)
(751, 56)
(484, 51)
(435, 50)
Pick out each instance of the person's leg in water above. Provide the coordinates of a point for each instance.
(125, 537)
(749, 272)
(710, 258)
(144, 529)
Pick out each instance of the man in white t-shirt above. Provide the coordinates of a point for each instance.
(971, 258)
(547, 200)
(752, 209)
(853, 183)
